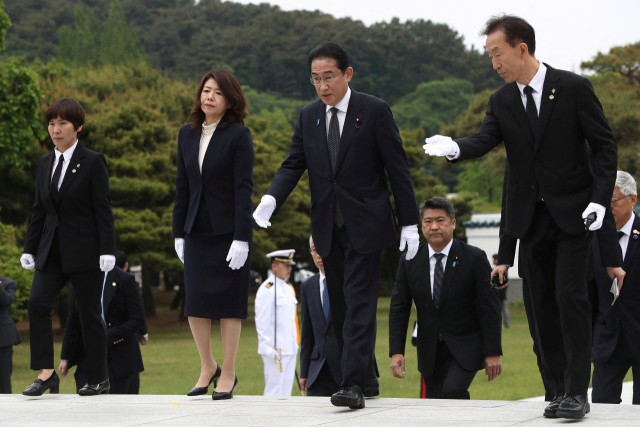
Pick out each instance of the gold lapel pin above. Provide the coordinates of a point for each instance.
(551, 96)
(114, 283)
(74, 171)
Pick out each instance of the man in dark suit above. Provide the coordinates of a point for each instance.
(546, 118)
(124, 315)
(459, 321)
(72, 236)
(349, 143)
(9, 335)
(616, 323)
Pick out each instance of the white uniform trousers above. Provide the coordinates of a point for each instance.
(278, 383)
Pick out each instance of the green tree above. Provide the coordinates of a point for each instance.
(624, 60)
(433, 104)
(5, 23)
(120, 44)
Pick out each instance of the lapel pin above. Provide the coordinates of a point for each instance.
(553, 91)
(74, 171)
(78, 165)
(551, 96)
(114, 283)
(455, 262)
(318, 124)
(357, 123)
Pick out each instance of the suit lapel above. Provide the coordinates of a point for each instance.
(110, 288)
(547, 103)
(517, 108)
(45, 182)
(633, 244)
(422, 259)
(450, 270)
(349, 129)
(210, 152)
(75, 164)
(320, 121)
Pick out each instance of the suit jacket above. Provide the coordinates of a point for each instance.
(624, 316)
(318, 341)
(554, 164)
(468, 318)
(370, 145)
(9, 334)
(83, 213)
(226, 181)
(124, 316)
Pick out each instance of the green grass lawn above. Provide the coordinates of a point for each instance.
(172, 365)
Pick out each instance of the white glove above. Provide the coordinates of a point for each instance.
(237, 254)
(180, 248)
(441, 146)
(410, 238)
(272, 353)
(599, 210)
(107, 262)
(27, 261)
(264, 211)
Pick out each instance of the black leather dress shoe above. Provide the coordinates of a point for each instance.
(350, 396)
(574, 406)
(550, 411)
(95, 389)
(223, 395)
(372, 388)
(39, 387)
(197, 391)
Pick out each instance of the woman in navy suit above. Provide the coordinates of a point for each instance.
(212, 222)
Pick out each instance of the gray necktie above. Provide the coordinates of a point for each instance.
(333, 141)
(437, 279)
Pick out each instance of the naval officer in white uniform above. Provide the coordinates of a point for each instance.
(277, 325)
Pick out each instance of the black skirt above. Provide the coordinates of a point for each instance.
(213, 290)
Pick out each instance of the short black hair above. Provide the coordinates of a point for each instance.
(67, 109)
(121, 259)
(331, 51)
(516, 30)
(437, 203)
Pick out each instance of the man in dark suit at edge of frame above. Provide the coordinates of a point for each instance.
(349, 144)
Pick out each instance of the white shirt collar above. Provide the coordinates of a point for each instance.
(445, 251)
(626, 229)
(67, 154)
(537, 82)
(343, 104)
(322, 277)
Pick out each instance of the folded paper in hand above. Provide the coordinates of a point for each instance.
(614, 290)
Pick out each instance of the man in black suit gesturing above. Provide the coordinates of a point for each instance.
(459, 320)
(349, 143)
(72, 236)
(616, 322)
(546, 118)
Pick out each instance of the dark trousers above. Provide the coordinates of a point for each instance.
(324, 384)
(449, 379)
(6, 367)
(88, 286)
(608, 376)
(134, 385)
(353, 283)
(116, 385)
(555, 265)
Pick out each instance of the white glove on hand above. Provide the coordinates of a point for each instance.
(599, 210)
(409, 237)
(237, 254)
(441, 146)
(107, 262)
(264, 211)
(180, 248)
(27, 261)
(272, 353)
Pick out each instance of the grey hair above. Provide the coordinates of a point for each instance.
(437, 203)
(626, 183)
(310, 243)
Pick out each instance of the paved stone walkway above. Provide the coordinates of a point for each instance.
(161, 410)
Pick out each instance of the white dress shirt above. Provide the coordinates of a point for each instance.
(624, 240)
(536, 83)
(432, 261)
(205, 138)
(65, 162)
(342, 111)
(322, 277)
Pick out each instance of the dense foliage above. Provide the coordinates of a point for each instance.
(264, 46)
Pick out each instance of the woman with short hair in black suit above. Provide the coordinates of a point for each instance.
(212, 223)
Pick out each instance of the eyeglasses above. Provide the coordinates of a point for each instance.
(317, 80)
(613, 202)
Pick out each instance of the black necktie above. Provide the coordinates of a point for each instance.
(56, 179)
(532, 111)
(325, 301)
(620, 234)
(437, 279)
(333, 141)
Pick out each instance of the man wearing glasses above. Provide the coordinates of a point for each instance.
(349, 143)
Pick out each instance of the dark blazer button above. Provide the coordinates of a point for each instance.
(537, 163)
(533, 186)
(326, 336)
(334, 182)
(330, 206)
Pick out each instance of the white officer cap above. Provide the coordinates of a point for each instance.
(285, 256)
